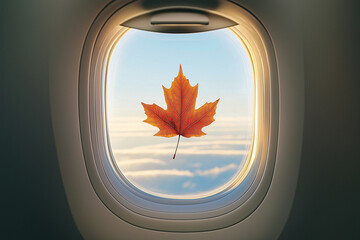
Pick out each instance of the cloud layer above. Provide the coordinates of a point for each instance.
(213, 172)
(202, 164)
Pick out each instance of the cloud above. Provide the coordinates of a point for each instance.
(204, 143)
(139, 161)
(188, 148)
(189, 185)
(135, 127)
(184, 151)
(132, 120)
(213, 172)
(216, 170)
(157, 173)
(132, 134)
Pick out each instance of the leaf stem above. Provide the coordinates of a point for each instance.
(176, 146)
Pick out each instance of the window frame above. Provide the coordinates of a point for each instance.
(177, 215)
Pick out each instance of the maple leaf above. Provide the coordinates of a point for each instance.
(180, 118)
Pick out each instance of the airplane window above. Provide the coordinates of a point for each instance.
(224, 159)
(141, 63)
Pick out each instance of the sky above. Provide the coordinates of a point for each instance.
(144, 61)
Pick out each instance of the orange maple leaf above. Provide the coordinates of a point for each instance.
(180, 118)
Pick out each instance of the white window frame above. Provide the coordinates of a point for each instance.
(218, 211)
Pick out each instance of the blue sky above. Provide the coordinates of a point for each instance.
(144, 61)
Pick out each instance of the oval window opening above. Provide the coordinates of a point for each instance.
(141, 63)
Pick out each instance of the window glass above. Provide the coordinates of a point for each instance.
(144, 61)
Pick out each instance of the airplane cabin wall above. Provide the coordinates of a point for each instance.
(326, 200)
(34, 204)
(326, 203)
